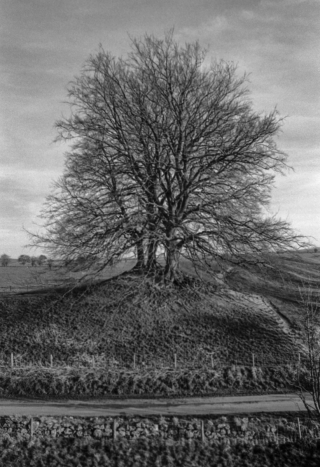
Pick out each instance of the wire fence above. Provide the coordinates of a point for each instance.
(225, 430)
(141, 362)
(282, 430)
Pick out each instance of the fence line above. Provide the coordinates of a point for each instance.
(278, 432)
(141, 363)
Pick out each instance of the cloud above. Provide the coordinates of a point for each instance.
(22, 193)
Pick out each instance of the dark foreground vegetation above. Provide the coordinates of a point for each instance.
(144, 452)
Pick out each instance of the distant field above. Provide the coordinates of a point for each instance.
(296, 269)
(22, 278)
(291, 277)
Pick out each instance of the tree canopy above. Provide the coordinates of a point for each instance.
(23, 259)
(167, 158)
(5, 260)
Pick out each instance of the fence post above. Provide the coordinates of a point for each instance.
(253, 360)
(51, 361)
(114, 429)
(175, 360)
(134, 361)
(202, 431)
(299, 428)
(31, 427)
(211, 361)
(11, 360)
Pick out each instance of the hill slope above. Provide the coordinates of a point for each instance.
(248, 312)
(228, 333)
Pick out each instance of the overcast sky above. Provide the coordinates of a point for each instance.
(44, 44)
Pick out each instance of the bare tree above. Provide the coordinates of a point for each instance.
(168, 156)
(5, 260)
(310, 300)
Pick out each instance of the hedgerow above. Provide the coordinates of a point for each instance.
(101, 382)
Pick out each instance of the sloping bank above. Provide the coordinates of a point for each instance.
(74, 382)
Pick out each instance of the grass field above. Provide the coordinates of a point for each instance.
(22, 278)
(199, 335)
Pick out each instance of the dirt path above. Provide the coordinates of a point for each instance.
(183, 406)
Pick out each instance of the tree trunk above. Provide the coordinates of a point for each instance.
(151, 256)
(172, 262)
(140, 255)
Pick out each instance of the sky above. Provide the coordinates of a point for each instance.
(44, 44)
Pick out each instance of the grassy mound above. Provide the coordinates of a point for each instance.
(127, 316)
(208, 332)
(146, 452)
